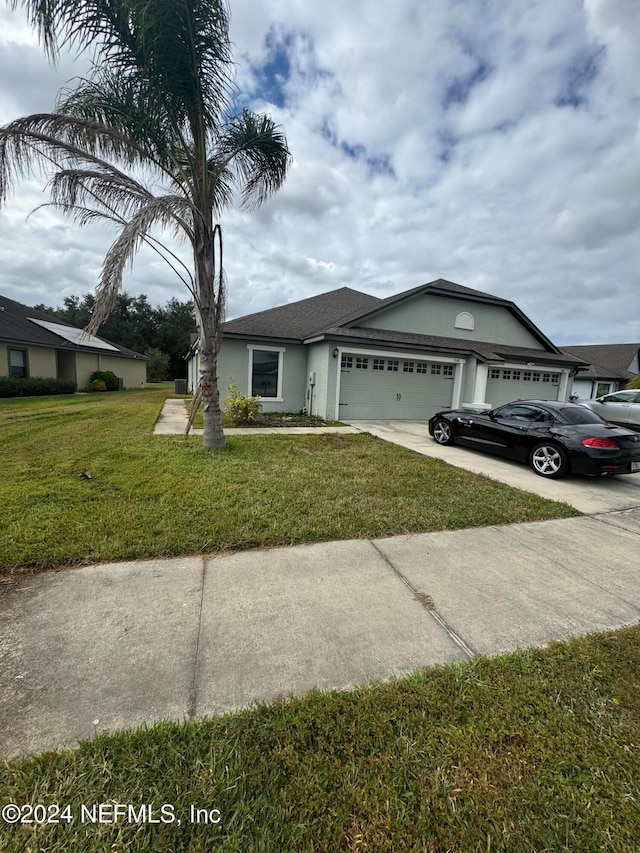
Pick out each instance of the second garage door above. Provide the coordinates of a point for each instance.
(505, 385)
(393, 388)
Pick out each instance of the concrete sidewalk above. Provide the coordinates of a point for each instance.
(112, 646)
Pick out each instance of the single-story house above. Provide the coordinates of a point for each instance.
(34, 343)
(611, 366)
(351, 356)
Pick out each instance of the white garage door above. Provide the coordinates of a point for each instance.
(506, 385)
(393, 388)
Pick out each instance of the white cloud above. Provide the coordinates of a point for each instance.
(492, 144)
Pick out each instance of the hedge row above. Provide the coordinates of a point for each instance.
(37, 386)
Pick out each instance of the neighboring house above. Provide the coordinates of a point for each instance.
(611, 366)
(34, 343)
(347, 355)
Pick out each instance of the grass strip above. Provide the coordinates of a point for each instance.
(533, 751)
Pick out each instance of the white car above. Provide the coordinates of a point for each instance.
(621, 407)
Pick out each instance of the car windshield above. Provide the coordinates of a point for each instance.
(580, 415)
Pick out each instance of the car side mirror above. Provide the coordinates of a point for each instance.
(600, 400)
(492, 415)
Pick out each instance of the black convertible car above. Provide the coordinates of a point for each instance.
(554, 438)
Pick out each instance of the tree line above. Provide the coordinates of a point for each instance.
(163, 334)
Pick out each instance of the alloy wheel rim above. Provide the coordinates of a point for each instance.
(442, 432)
(547, 460)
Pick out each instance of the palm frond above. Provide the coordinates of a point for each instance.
(162, 212)
(255, 149)
(132, 107)
(183, 46)
(43, 139)
(112, 192)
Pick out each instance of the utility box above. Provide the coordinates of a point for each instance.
(120, 383)
(180, 386)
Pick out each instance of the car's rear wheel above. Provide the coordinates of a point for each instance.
(442, 432)
(549, 460)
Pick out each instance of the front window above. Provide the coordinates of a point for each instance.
(18, 363)
(265, 373)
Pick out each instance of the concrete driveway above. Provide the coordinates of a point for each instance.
(587, 494)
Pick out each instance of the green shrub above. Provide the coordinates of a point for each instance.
(108, 377)
(241, 409)
(37, 386)
(157, 365)
(635, 382)
(97, 385)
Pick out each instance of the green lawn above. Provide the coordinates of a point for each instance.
(533, 752)
(165, 495)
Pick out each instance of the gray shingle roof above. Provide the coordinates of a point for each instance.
(607, 361)
(16, 328)
(486, 350)
(344, 307)
(302, 319)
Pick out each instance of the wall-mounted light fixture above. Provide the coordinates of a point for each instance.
(336, 352)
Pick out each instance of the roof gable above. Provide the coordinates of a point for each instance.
(450, 290)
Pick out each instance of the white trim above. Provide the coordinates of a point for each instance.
(280, 350)
(405, 354)
(456, 397)
(402, 354)
(480, 389)
(526, 365)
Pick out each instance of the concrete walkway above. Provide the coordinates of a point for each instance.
(112, 646)
(173, 421)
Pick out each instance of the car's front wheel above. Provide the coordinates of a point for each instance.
(442, 432)
(549, 460)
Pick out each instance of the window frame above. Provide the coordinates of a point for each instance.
(279, 398)
(25, 353)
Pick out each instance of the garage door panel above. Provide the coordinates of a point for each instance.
(415, 393)
(506, 385)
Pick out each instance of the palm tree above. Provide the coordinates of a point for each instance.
(148, 140)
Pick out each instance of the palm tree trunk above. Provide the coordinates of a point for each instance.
(209, 316)
(213, 433)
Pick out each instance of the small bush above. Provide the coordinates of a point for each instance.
(241, 409)
(108, 377)
(37, 386)
(97, 385)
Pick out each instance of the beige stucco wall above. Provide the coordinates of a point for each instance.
(132, 371)
(41, 361)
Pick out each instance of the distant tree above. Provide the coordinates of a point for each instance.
(635, 382)
(149, 142)
(136, 324)
(157, 365)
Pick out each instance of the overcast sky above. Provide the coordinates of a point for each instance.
(493, 144)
